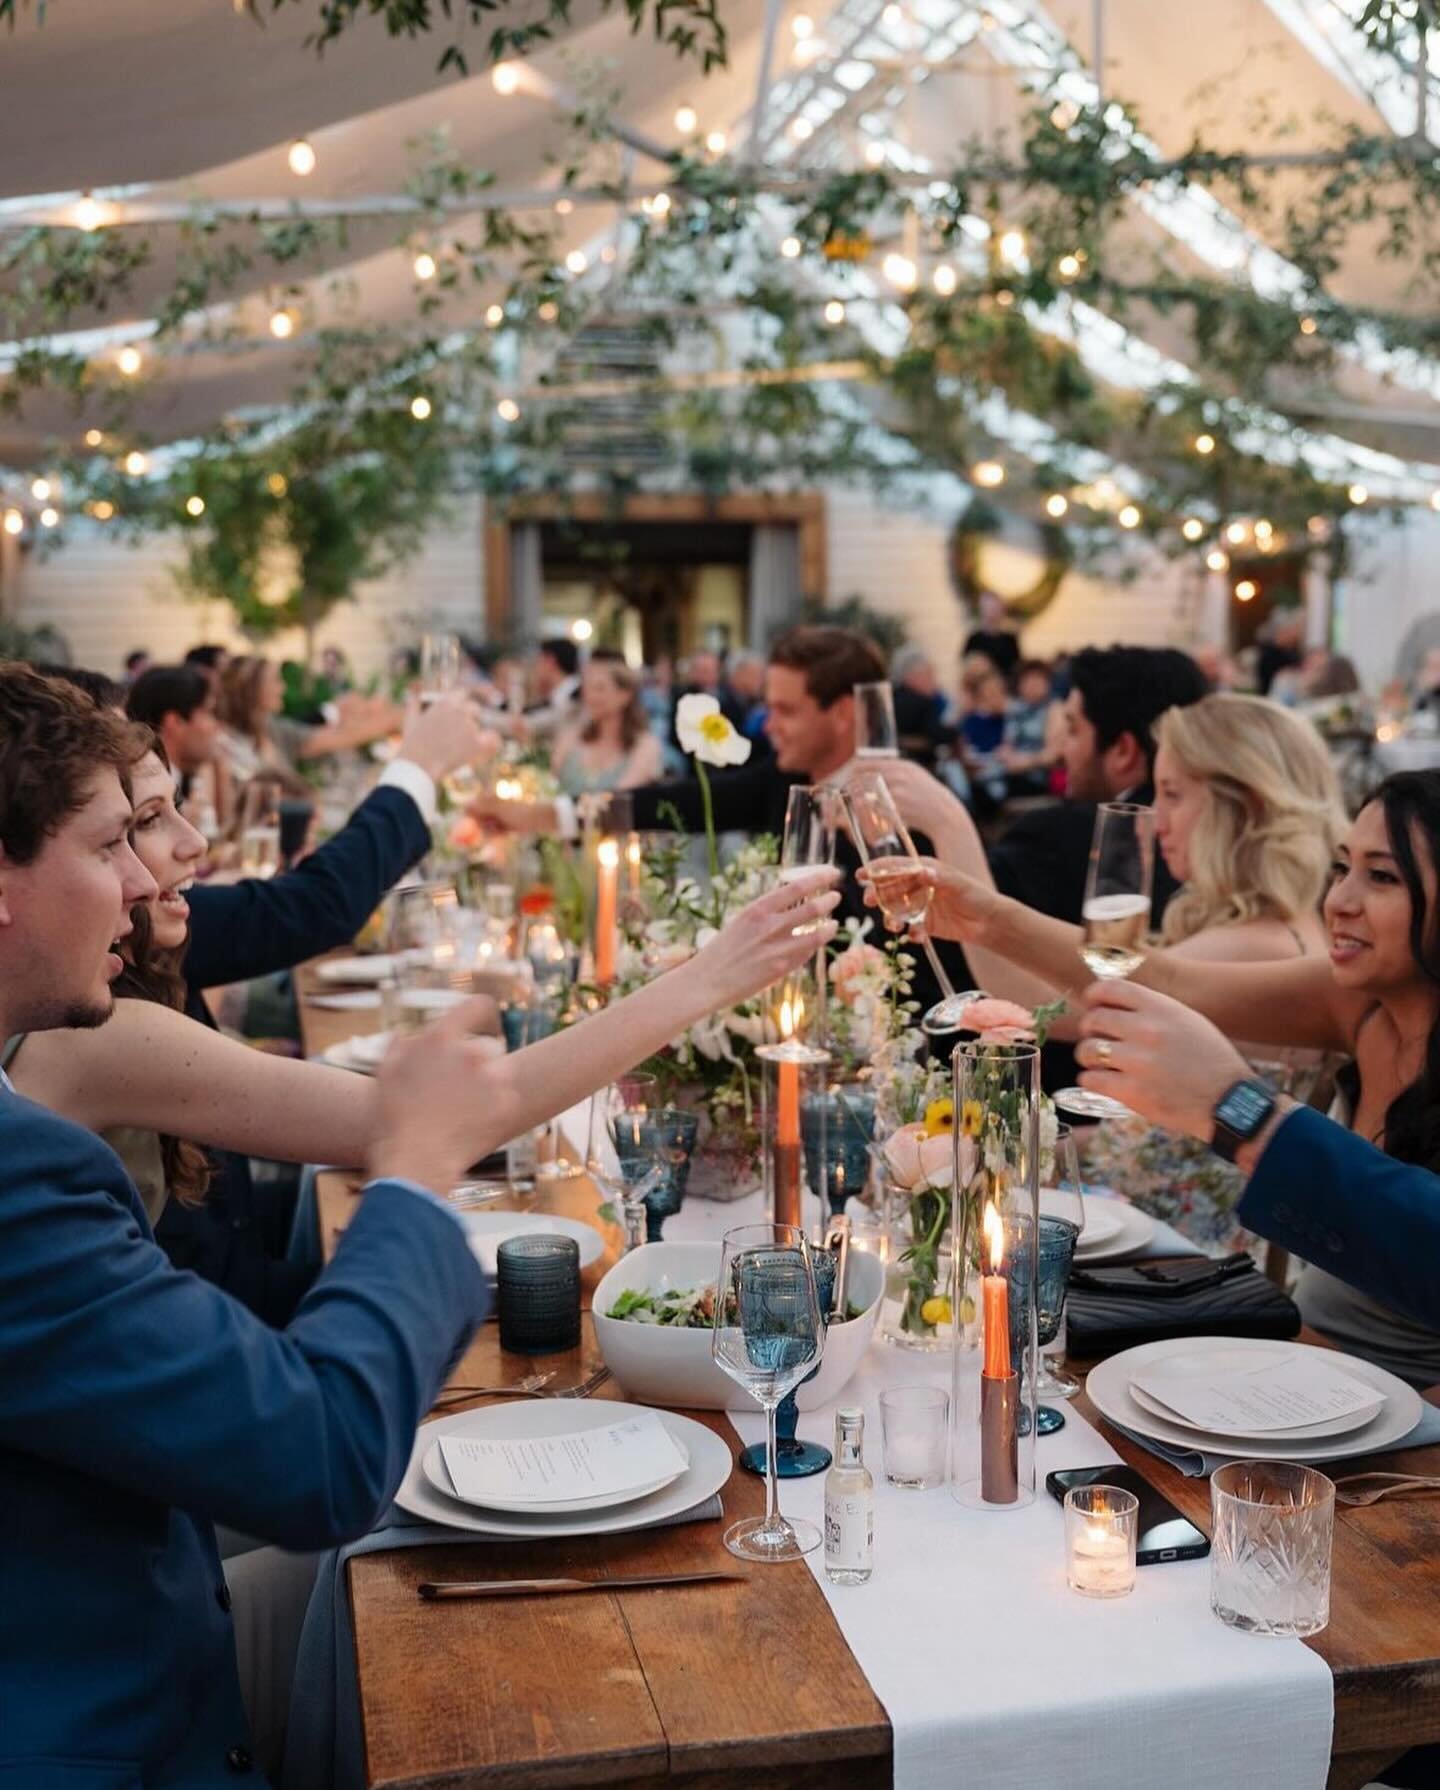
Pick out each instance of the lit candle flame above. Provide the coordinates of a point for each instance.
(507, 789)
(608, 853)
(632, 853)
(994, 1236)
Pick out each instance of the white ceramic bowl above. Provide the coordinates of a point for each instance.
(660, 1365)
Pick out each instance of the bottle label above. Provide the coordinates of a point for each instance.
(849, 1532)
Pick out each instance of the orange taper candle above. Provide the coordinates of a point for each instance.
(606, 909)
(995, 1296)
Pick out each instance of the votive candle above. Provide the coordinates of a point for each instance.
(1101, 1530)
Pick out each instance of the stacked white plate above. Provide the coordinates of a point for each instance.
(1160, 1389)
(1113, 1228)
(429, 1492)
(379, 968)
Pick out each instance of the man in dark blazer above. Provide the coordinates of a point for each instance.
(140, 1406)
(1315, 1187)
(237, 1236)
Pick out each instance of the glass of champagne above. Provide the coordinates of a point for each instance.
(884, 843)
(876, 735)
(767, 1336)
(1116, 917)
(439, 666)
(260, 828)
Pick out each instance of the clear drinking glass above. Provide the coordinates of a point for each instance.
(1272, 1530)
(767, 1336)
(915, 1422)
(633, 1165)
(260, 828)
(1116, 917)
(876, 735)
(884, 843)
(439, 666)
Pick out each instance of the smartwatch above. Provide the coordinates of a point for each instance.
(1239, 1114)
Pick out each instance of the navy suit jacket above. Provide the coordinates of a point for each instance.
(138, 1406)
(1330, 1196)
(252, 928)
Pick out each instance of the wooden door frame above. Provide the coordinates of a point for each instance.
(804, 511)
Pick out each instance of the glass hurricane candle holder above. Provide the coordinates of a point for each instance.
(792, 1073)
(995, 1226)
(1102, 1524)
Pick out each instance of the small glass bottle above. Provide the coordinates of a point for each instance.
(849, 1505)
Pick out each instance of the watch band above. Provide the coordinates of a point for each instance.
(1239, 1115)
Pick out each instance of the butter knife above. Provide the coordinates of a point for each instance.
(432, 1590)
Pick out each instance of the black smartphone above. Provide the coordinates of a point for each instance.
(1164, 1533)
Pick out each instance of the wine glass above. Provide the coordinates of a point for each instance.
(876, 735)
(628, 1108)
(1062, 1221)
(795, 1459)
(439, 666)
(1116, 917)
(260, 828)
(767, 1336)
(884, 842)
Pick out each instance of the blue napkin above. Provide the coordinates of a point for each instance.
(323, 1745)
(1194, 1463)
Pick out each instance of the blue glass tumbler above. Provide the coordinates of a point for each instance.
(537, 1293)
(837, 1129)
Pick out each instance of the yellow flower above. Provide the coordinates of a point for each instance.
(939, 1118)
(972, 1117)
(935, 1311)
(967, 1309)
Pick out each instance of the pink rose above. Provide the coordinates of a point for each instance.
(1003, 1022)
(916, 1160)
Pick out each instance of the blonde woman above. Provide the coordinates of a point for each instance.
(1248, 816)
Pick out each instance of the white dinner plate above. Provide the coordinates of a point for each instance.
(362, 1055)
(1103, 1221)
(1207, 1357)
(1109, 1389)
(1135, 1231)
(356, 969)
(710, 1467)
(530, 1420)
(488, 1230)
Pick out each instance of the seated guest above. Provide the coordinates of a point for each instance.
(1377, 1001)
(703, 678)
(984, 706)
(1314, 1187)
(140, 1406)
(136, 662)
(209, 658)
(745, 689)
(609, 745)
(1030, 744)
(919, 706)
(177, 703)
(555, 676)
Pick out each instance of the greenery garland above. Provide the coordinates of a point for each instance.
(982, 522)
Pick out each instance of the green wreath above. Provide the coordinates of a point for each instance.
(981, 522)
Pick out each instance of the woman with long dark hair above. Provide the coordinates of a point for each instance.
(611, 746)
(1374, 997)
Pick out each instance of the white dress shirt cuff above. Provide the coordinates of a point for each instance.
(404, 773)
(567, 820)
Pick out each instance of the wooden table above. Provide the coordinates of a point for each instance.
(699, 1689)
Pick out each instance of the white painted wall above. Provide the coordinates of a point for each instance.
(108, 598)
(1393, 580)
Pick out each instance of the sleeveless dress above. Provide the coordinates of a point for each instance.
(575, 780)
(139, 1150)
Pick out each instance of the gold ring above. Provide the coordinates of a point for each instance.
(1104, 1049)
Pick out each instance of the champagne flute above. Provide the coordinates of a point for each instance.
(884, 843)
(767, 1336)
(260, 828)
(1116, 917)
(439, 666)
(876, 735)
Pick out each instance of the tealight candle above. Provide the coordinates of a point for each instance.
(1101, 1527)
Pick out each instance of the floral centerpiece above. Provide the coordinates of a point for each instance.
(919, 1152)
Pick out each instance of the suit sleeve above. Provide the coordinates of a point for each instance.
(255, 927)
(1332, 1197)
(1041, 860)
(120, 1367)
(740, 800)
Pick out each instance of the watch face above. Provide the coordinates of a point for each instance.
(1245, 1108)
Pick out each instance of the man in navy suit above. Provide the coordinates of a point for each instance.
(1315, 1187)
(139, 1405)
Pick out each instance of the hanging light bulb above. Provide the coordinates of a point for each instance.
(40, 490)
(577, 261)
(277, 484)
(1011, 247)
(834, 311)
(129, 361)
(494, 315)
(717, 142)
(1004, 298)
(802, 25)
(563, 207)
(1264, 529)
(1358, 495)
(944, 279)
(1246, 590)
(1056, 505)
(1129, 517)
(49, 517)
(425, 267)
(901, 271)
(505, 77)
(89, 214)
(195, 506)
(790, 248)
(302, 157)
(1236, 532)
(93, 438)
(508, 410)
(1204, 444)
(1217, 560)
(802, 130)
(686, 119)
(1067, 268)
(874, 154)
(420, 408)
(136, 464)
(282, 324)
(1192, 528)
(1318, 527)
(1308, 326)
(14, 522)
(102, 510)
(988, 473)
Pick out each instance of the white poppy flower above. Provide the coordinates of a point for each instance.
(703, 730)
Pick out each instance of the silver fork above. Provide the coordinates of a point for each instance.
(586, 1387)
(525, 1387)
(1380, 1485)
